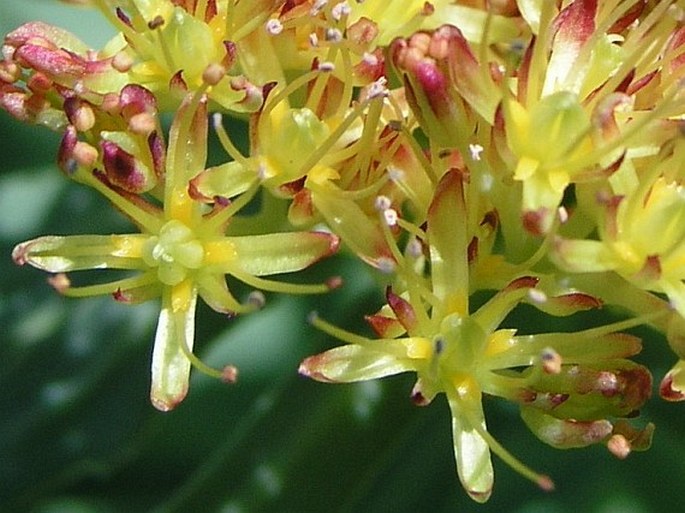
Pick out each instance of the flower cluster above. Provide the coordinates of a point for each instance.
(529, 153)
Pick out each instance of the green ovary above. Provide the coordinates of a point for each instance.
(174, 252)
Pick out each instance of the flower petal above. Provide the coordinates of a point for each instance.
(447, 225)
(471, 451)
(565, 433)
(276, 253)
(57, 254)
(174, 337)
(350, 363)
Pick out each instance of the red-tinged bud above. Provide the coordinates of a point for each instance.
(637, 439)
(15, 102)
(402, 309)
(157, 148)
(301, 210)
(604, 115)
(524, 282)
(65, 155)
(135, 99)
(427, 86)
(178, 84)
(384, 327)
(565, 433)
(568, 304)
(231, 54)
(537, 222)
(677, 40)
(371, 67)
(53, 62)
(254, 96)
(123, 169)
(632, 14)
(9, 72)
(39, 83)
(417, 396)
(79, 113)
(669, 390)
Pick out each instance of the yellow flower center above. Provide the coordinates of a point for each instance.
(173, 252)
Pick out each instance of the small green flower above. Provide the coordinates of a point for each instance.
(181, 253)
(568, 384)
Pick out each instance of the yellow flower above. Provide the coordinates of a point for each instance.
(568, 384)
(182, 253)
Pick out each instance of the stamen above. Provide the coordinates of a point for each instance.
(389, 345)
(279, 286)
(543, 481)
(111, 288)
(147, 220)
(225, 140)
(229, 374)
(219, 218)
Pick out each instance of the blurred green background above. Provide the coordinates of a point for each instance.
(77, 433)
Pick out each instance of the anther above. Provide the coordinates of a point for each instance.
(217, 120)
(274, 27)
(475, 150)
(537, 296)
(60, 282)
(563, 214)
(439, 346)
(619, 446)
(143, 123)
(122, 62)
(213, 74)
(339, 10)
(316, 8)
(257, 299)
(229, 374)
(414, 248)
(85, 154)
(333, 35)
(382, 203)
(391, 217)
(386, 265)
(155, 22)
(378, 89)
(551, 361)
